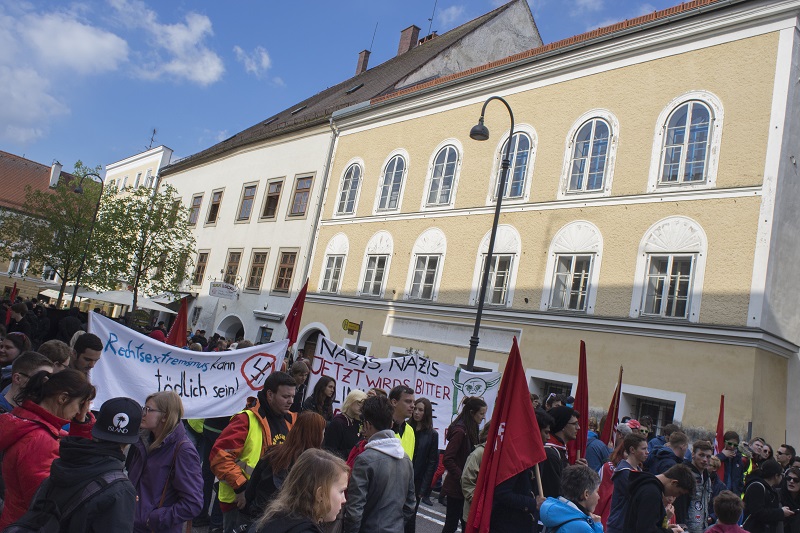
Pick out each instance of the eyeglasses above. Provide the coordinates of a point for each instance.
(147, 410)
(792, 479)
(576, 423)
(731, 443)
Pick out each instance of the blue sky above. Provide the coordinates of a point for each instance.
(90, 80)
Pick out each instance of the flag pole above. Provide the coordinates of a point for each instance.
(538, 479)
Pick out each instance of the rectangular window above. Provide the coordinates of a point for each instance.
(373, 275)
(194, 210)
(668, 282)
(49, 274)
(248, 197)
(213, 209)
(124, 182)
(138, 180)
(18, 266)
(302, 189)
(257, 265)
(283, 281)
(273, 196)
(265, 335)
(499, 274)
(200, 268)
(571, 282)
(662, 412)
(424, 279)
(196, 311)
(149, 179)
(333, 273)
(232, 267)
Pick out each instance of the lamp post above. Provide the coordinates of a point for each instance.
(479, 132)
(79, 190)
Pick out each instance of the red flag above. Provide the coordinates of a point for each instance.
(12, 298)
(513, 444)
(295, 315)
(577, 448)
(612, 418)
(177, 333)
(719, 442)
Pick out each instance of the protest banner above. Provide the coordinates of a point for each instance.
(210, 384)
(444, 385)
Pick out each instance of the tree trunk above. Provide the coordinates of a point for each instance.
(61, 293)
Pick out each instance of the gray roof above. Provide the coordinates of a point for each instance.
(318, 109)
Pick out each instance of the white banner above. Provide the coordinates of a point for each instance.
(444, 385)
(210, 384)
(222, 290)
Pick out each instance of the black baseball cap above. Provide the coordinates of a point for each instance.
(118, 421)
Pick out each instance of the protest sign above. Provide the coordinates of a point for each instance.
(210, 384)
(444, 385)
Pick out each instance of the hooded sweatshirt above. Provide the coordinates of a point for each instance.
(82, 461)
(563, 516)
(661, 460)
(646, 507)
(29, 437)
(380, 496)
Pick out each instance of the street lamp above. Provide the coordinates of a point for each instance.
(79, 190)
(480, 132)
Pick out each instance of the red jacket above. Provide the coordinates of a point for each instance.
(29, 439)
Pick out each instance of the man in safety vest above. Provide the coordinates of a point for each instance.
(264, 422)
(402, 399)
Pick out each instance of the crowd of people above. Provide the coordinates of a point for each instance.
(288, 462)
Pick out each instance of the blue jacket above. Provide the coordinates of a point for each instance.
(562, 516)
(513, 507)
(656, 442)
(734, 472)
(661, 460)
(619, 498)
(596, 452)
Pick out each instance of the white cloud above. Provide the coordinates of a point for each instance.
(222, 135)
(256, 63)
(450, 15)
(179, 49)
(38, 52)
(582, 7)
(277, 81)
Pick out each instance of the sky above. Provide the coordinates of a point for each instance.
(91, 80)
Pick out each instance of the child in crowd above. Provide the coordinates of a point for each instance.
(728, 507)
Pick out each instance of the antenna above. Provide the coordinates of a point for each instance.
(152, 139)
(373, 37)
(432, 14)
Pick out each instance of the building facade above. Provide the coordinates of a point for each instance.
(255, 198)
(650, 211)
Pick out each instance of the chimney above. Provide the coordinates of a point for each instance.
(363, 59)
(408, 39)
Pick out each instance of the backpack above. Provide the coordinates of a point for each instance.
(45, 515)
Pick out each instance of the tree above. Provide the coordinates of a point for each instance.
(52, 228)
(144, 242)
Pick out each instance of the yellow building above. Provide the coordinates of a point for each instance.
(651, 210)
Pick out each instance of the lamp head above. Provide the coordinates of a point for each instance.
(479, 132)
(78, 190)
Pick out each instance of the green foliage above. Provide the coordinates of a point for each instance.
(52, 228)
(142, 241)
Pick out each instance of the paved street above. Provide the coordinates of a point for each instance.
(429, 519)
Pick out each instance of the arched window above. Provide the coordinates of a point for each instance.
(686, 145)
(377, 260)
(670, 269)
(334, 263)
(427, 261)
(686, 139)
(392, 183)
(589, 152)
(443, 176)
(502, 270)
(349, 193)
(573, 268)
(518, 171)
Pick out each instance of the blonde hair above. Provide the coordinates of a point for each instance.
(356, 395)
(314, 470)
(171, 407)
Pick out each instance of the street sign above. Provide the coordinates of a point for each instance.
(351, 326)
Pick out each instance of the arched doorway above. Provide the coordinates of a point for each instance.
(231, 327)
(308, 343)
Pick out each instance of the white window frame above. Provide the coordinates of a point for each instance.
(667, 285)
(428, 259)
(507, 242)
(611, 155)
(381, 243)
(571, 276)
(376, 208)
(338, 245)
(149, 179)
(499, 153)
(15, 263)
(676, 235)
(332, 274)
(715, 139)
(424, 205)
(360, 163)
(368, 270)
(431, 242)
(579, 237)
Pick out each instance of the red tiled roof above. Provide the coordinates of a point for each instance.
(16, 173)
(564, 43)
